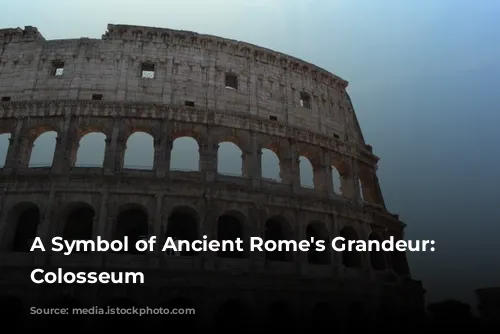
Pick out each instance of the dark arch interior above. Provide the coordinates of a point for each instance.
(118, 323)
(70, 322)
(377, 259)
(79, 224)
(132, 223)
(188, 322)
(385, 319)
(280, 317)
(350, 259)
(183, 226)
(26, 229)
(314, 256)
(356, 322)
(12, 309)
(231, 315)
(398, 260)
(229, 228)
(322, 317)
(275, 231)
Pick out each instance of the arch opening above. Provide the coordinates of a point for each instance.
(232, 314)
(277, 229)
(356, 322)
(399, 263)
(12, 309)
(306, 172)
(230, 228)
(280, 317)
(43, 150)
(79, 224)
(134, 224)
(185, 155)
(91, 150)
(361, 190)
(139, 151)
(322, 317)
(350, 259)
(337, 181)
(270, 163)
(318, 231)
(26, 228)
(4, 148)
(183, 225)
(229, 159)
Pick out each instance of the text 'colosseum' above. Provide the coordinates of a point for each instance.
(193, 97)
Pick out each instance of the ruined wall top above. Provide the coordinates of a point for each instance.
(28, 34)
(163, 35)
(179, 68)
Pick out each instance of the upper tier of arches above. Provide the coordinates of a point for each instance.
(161, 147)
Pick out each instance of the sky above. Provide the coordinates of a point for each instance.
(425, 83)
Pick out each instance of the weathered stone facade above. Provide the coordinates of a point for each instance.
(172, 84)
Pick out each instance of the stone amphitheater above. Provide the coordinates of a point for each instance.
(178, 85)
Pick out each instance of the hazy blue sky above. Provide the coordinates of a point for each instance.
(425, 81)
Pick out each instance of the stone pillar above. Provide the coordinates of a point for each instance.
(157, 227)
(100, 227)
(323, 180)
(336, 256)
(208, 159)
(161, 164)
(62, 155)
(353, 183)
(301, 234)
(119, 150)
(110, 151)
(255, 163)
(14, 155)
(48, 221)
(290, 169)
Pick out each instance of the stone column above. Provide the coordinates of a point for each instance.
(290, 169)
(157, 227)
(336, 256)
(62, 155)
(352, 184)
(208, 159)
(110, 151)
(255, 163)
(161, 164)
(100, 227)
(323, 180)
(119, 150)
(14, 155)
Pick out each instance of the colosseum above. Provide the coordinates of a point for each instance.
(209, 93)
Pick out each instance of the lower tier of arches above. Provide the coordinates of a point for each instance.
(212, 301)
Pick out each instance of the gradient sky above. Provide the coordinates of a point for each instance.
(425, 82)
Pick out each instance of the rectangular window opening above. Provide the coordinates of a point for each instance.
(273, 118)
(147, 71)
(231, 81)
(57, 68)
(5, 98)
(189, 103)
(305, 100)
(96, 97)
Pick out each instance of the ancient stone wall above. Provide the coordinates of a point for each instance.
(173, 84)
